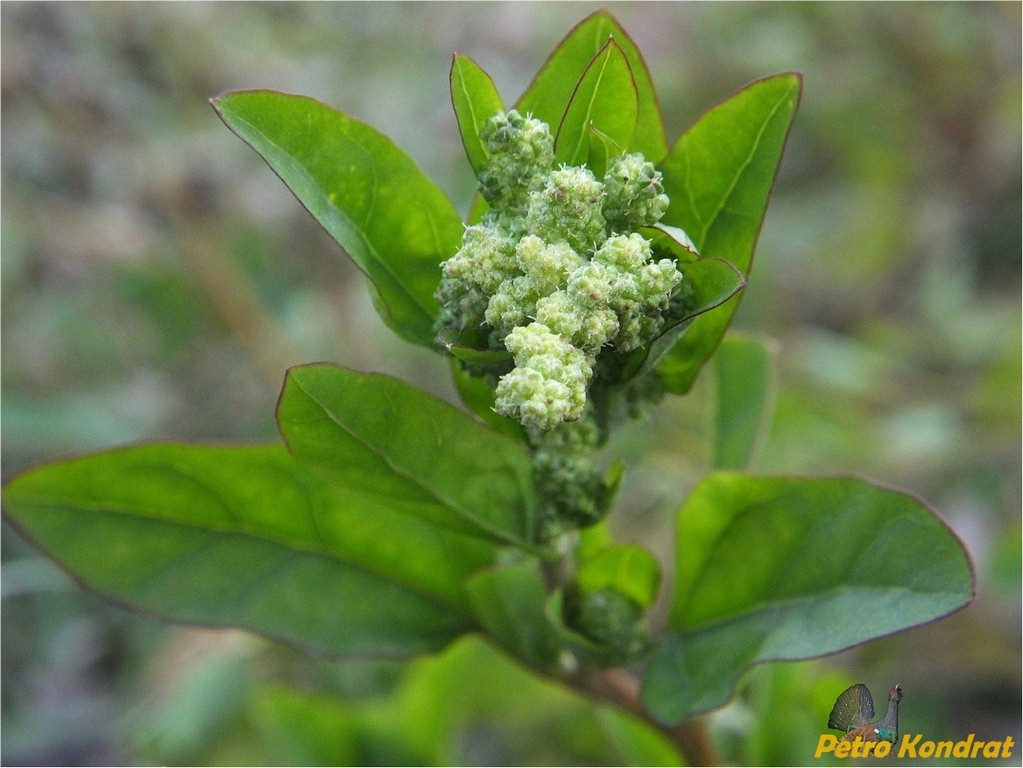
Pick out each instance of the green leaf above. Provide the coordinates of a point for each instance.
(248, 537)
(547, 97)
(602, 148)
(475, 99)
(719, 177)
(509, 603)
(605, 98)
(370, 196)
(779, 569)
(415, 452)
(744, 378)
(500, 359)
(673, 240)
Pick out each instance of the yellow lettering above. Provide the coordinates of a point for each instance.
(944, 749)
(1007, 746)
(857, 748)
(992, 749)
(843, 748)
(908, 746)
(926, 749)
(826, 743)
(883, 749)
(962, 748)
(977, 746)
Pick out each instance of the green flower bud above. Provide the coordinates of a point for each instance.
(468, 279)
(572, 494)
(610, 619)
(569, 208)
(548, 384)
(521, 154)
(634, 196)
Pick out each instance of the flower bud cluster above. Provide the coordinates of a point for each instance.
(572, 493)
(612, 620)
(555, 269)
(521, 155)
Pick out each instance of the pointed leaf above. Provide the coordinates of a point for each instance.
(547, 97)
(744, 379)
(719, 177)
(673, 240)
(248, 537)
(498, 359)
(602, 149)
(847, 562)
(386, 438)
(475, 99)
(605, 98)
(395, 223)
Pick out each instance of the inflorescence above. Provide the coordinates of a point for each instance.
(556, 269)
(554, 273)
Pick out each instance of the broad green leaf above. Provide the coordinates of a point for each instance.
(509, 604)
(530, 719)
(547, 97)
(395, 223)
(293, 726)
(780, 569)
(248, 537)
(605, 98)
(415, 452)
(744, 383)
(475, 99)
(719, 177)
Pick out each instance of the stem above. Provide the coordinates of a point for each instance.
(622, 690)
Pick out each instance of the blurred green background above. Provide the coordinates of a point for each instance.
(157, 280)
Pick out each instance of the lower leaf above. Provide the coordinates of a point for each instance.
(780, 569)
(248, 537)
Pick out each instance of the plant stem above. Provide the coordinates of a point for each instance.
(621, 689)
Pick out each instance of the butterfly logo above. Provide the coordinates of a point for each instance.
(853, 710)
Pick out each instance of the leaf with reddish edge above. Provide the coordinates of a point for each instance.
(549, 93)
(848, 561)
(719, 177)
(249, 537)
(604, 99)
(475, 100)
(396, 224)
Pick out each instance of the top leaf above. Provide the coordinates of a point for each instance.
(548, 96)
(395, 223)
(475, 99)
(604, 99)
(719, 177)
